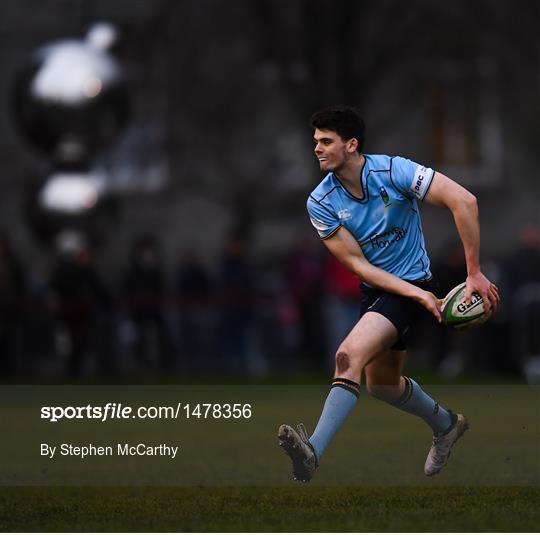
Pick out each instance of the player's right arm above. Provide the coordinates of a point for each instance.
(444, 192)
(347, 250)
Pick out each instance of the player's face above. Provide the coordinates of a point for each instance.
(331, 151)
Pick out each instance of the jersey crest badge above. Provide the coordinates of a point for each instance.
(384, 196)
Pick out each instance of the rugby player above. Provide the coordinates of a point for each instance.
(366, 212)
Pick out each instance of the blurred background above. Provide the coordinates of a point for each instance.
(156, 160)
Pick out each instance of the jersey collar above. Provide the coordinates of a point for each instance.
(365, 196)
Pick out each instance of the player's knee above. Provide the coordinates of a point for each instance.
(346, 361)
(343, 360)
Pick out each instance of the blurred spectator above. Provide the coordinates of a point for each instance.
(490, 347)
(343, 303)
(456, 352)
(236, 287)
(478, 351)
(304, 275)
(11, 295)
(277, 318)
(193, 287)
(452, 269)
(522, 286)
(447, 349)
(39, 348)
(82, 304)
(523, 265)
(145, 291)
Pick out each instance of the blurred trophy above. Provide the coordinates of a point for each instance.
(70, 103)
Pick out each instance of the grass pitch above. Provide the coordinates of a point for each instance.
(254, 509)
(227, 480)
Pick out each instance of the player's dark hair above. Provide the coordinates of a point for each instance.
(343, 120)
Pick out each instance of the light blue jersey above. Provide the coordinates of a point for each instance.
(386, 221)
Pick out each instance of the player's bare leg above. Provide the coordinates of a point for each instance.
(369, 338)
(384, 380)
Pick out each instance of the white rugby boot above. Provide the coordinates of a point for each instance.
(297, 447)
(442, 445)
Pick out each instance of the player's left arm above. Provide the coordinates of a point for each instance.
(444, 192)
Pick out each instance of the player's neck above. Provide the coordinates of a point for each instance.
(350, 175)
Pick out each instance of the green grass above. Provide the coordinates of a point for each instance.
(271, 509)
(231, 476)
(293, 378)
(378, 446)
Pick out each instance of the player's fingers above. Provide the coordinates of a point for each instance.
(486, 298)
(436, 309)
(468, 292)
(494, 300)
(490, 306)
(432, 303)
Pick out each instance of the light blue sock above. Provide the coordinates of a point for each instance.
(415, 401)
(339, 403)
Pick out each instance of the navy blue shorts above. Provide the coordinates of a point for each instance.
(401, 311)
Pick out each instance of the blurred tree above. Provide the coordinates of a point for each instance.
(327, 52)
(233, 80)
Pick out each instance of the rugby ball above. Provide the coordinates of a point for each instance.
(458, 314)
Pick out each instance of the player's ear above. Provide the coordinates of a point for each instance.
(352, 145)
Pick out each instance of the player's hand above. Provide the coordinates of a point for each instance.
(478, 282)
(431, 302)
